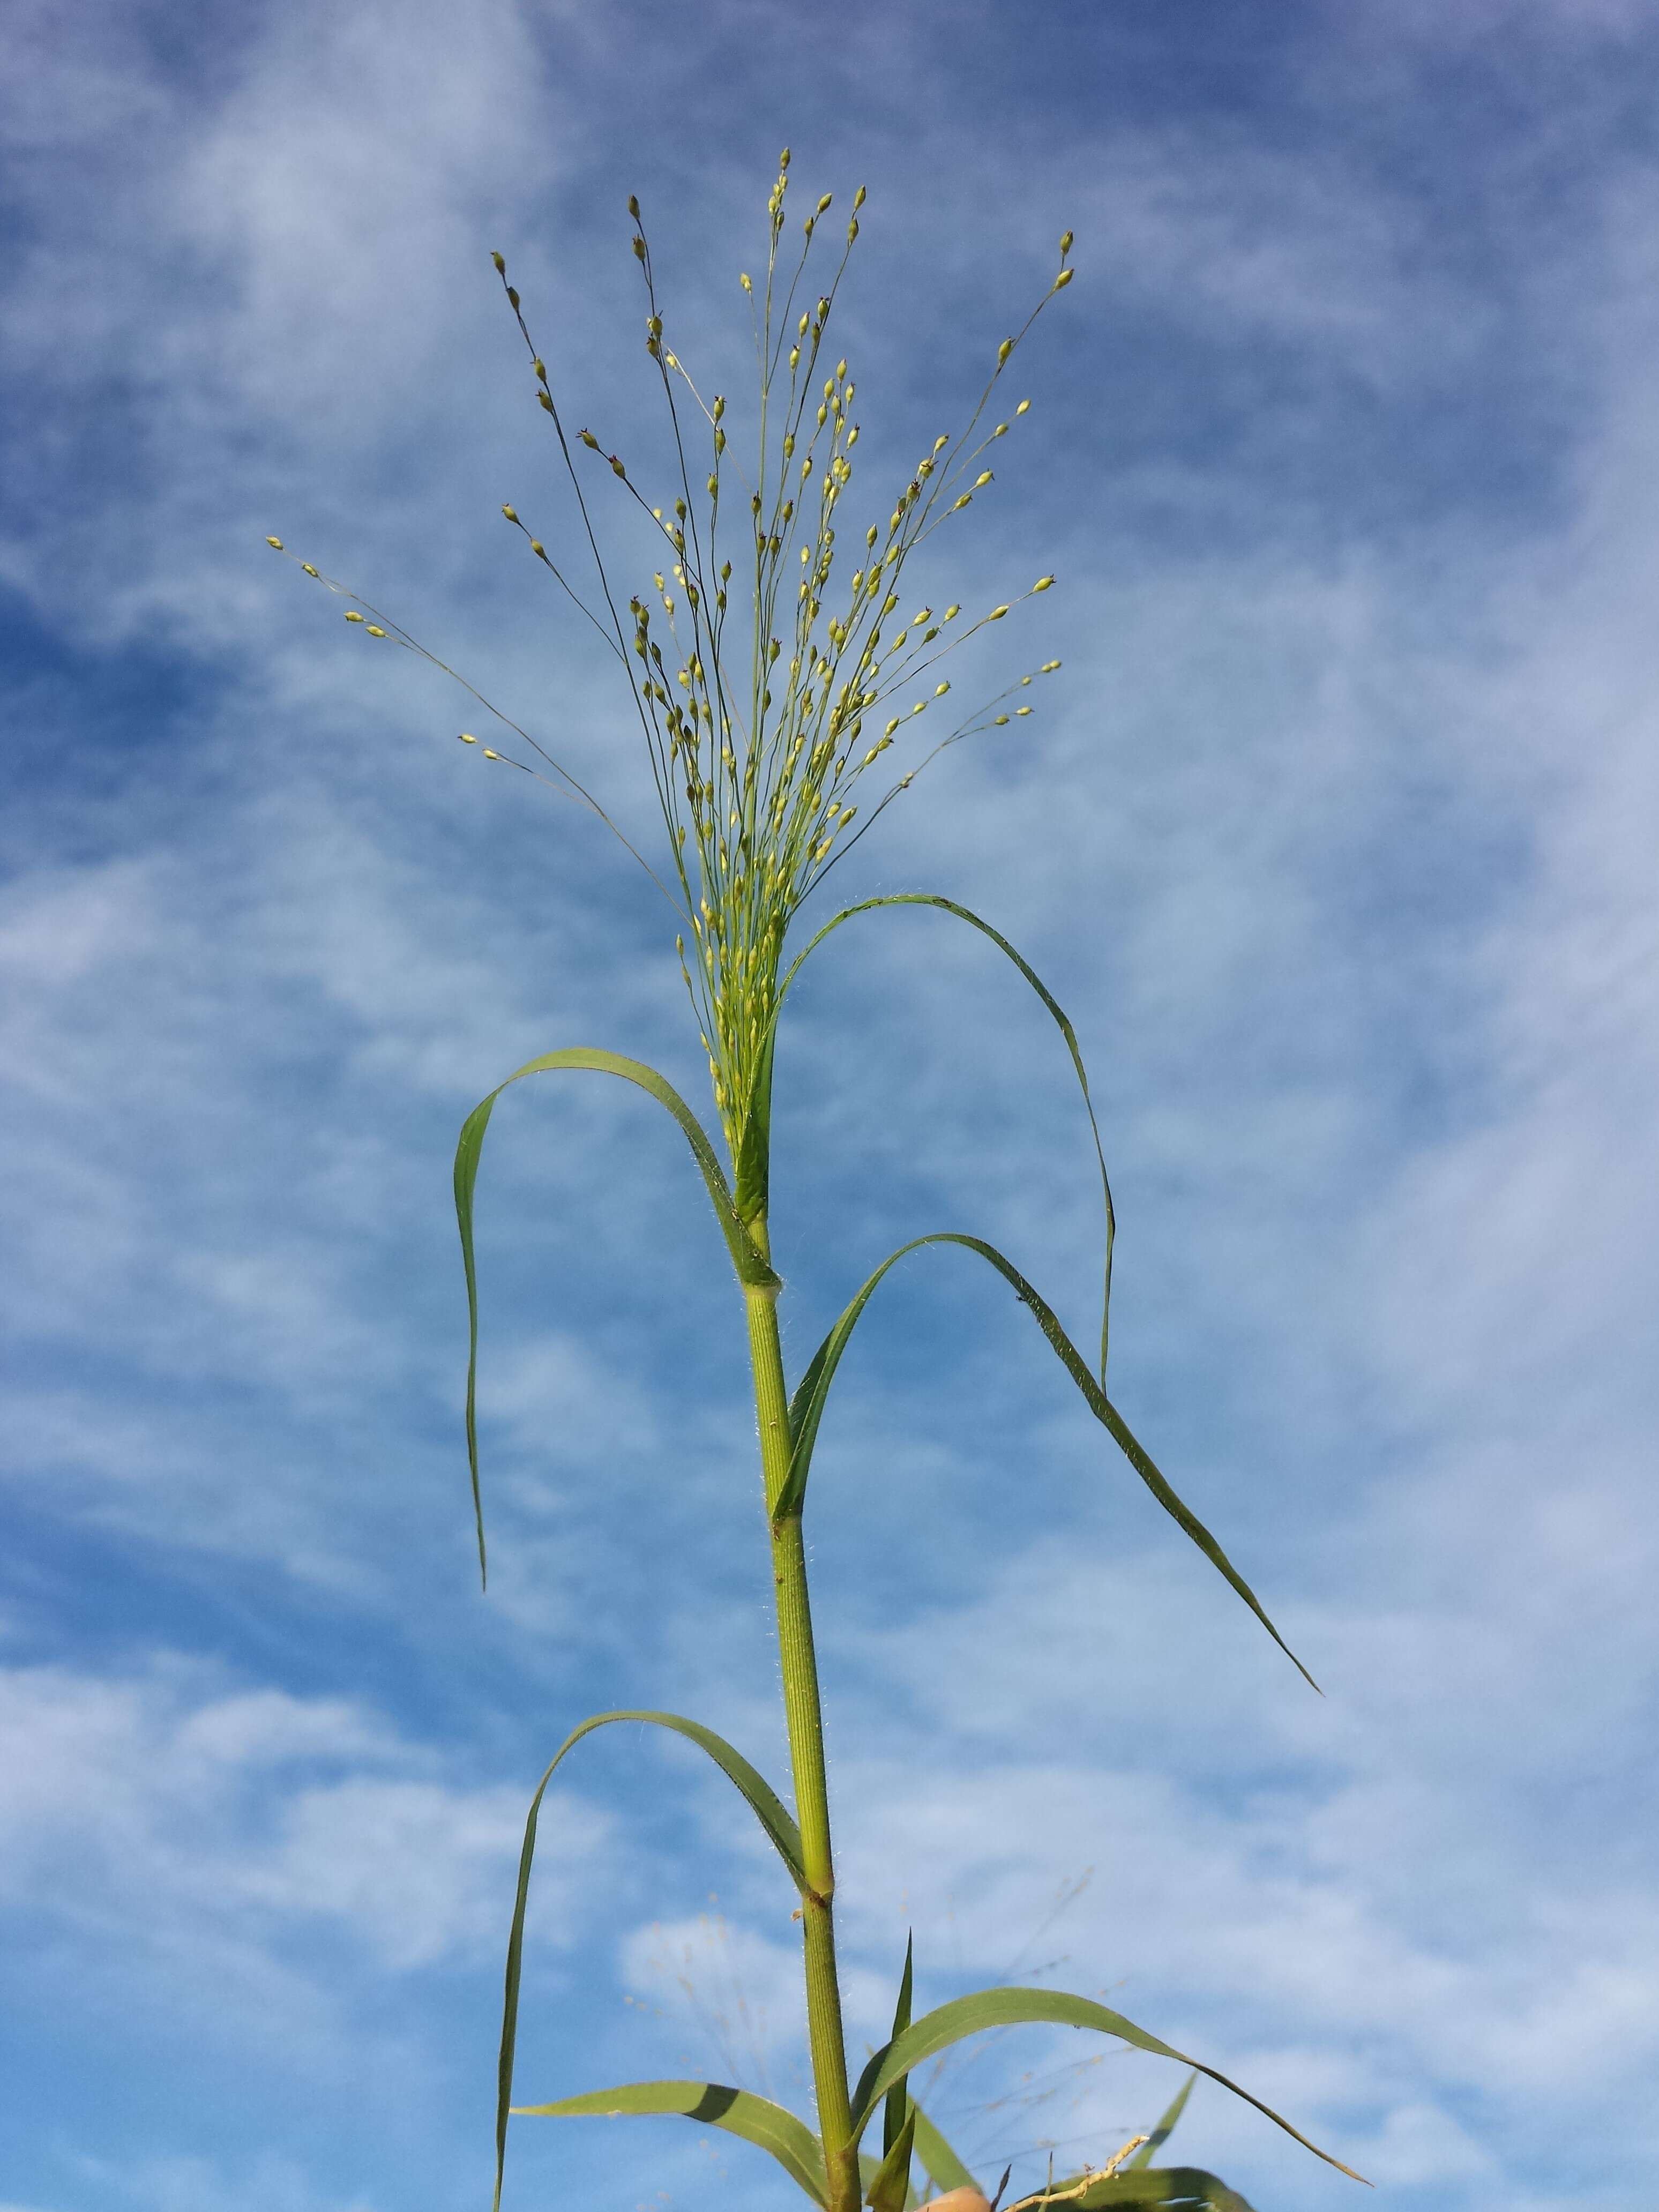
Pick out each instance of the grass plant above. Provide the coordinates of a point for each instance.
(785, 701)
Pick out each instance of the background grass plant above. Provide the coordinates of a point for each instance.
(773, 673)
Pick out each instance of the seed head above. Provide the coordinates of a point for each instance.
(275, 542)
(352, 614)
(511, 514)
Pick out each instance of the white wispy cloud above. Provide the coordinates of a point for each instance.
(1335, 839)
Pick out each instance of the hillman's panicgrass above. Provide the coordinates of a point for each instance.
(769, 719)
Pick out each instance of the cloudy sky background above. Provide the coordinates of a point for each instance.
(1335, 835)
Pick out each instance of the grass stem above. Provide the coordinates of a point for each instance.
(803, 1718)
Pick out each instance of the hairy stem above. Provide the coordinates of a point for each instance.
(804, 1715)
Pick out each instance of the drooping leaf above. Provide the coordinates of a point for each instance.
(898, 2096)
(1154, 2189)
(789, 2140)
(745, 1258)
(1007, 2008)
(763, 1801)
(1062, 1022)
(945, 2169)
(890, 2185)
(812, 1391)
(1166, 2128)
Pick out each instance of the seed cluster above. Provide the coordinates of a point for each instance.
(759, 742)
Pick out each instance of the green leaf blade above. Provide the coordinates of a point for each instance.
(890, 2188)
(944, 2168)
(898, 2096)
(1057, 1014)
(710, 2104)
(746, 1258)
(1009, 2007)
(763, 1801)
(812, 1393)
(1164, 2130)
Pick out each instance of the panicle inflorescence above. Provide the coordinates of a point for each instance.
(761, 743)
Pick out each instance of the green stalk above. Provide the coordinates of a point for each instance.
(804, 1716)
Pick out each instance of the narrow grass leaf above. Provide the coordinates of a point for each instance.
(898, 2096)
(745, 1257)
(763, 1801)
(889, 2189)
(1062, 1021)
(1164, 2130)
(789, 2140)
(945, 2169)
(1009, 2008)
(812, 1393)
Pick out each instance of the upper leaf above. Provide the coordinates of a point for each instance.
(746, 1257)
(1061, 1021)
(812, 1394)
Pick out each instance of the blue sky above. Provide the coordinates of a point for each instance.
(1336, 836)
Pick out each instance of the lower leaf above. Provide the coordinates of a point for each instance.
(1007, 2008)
(768, 2126)
(1152, 2189)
